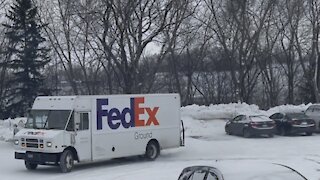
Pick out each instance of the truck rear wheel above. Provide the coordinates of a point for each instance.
(30, 166)
(152, 150)
(66, 161)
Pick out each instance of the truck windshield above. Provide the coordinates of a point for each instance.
(48, 119)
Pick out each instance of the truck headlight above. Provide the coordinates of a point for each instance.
(49, 144)
(16, 142)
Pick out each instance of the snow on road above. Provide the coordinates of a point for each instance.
(206, 144)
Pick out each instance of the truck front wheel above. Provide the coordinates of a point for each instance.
(152, 150)
(66, 161)
(30, 166)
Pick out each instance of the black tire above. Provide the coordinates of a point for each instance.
(246, 133)
(152, 151)
(227, 131)
(66, 161)
(30, 166)
(309, 133)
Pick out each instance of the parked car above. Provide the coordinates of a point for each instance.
(248, 126)
(293, 123)
(241, 171)
(313, 112)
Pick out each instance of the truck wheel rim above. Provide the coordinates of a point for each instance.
(69, 161)
(152, 151)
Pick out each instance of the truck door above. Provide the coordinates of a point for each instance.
(83, 136)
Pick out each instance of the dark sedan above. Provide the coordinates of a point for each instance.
(293, 123)
(248, 126)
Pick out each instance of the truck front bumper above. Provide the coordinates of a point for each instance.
(38, 157)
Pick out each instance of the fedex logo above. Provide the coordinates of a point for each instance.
(34, 133)
(127, 117)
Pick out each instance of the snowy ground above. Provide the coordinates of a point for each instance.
(206, 144)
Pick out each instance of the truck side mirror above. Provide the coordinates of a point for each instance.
(76, 121)
(77, 126)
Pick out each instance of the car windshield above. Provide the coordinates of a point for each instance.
(48, 119)
(297, 116)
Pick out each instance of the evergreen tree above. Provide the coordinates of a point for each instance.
(28, 56)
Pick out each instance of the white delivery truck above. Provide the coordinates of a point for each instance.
(64, 129)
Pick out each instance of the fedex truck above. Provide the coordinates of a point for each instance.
(61, 130)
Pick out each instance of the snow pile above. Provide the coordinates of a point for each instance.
(6, 127)
(220, 111)
(202, 128)
(229, 111)
(288, 108)
(6, 130)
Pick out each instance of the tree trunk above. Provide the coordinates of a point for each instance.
(316, 78)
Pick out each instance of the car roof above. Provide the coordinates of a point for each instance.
(251, 115)
(255, 117)
(288, 113)
(314, 105)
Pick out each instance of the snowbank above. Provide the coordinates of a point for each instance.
(229, 111)
(219, 111)
(6, 127)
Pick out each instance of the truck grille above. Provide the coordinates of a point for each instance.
(33, 143)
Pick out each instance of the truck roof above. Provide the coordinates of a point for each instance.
(54, 102)
(81, 101)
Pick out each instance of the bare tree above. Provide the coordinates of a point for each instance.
(289, 22)
(128, 28)
(58, 14)
(313, 16)
(85, 44)
(189, 45)
(101, 47)
(238, 26)
(266, 61)
(71, 32)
